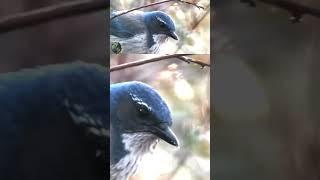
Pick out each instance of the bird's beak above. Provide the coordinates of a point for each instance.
(167, 135)
(173, 35)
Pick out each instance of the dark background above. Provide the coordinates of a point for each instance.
(266, 94)
(80, 37)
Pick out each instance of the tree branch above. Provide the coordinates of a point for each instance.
(194, 4)
(194, 26)
(153, 4)
(145, 61)
(190, 60)
(42, 15)
(296, 10)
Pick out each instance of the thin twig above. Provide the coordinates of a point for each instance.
(195, 25)
(194, 4)
(49, 13)
(153, 4)
(296, 10)
(190, 60)
(145, 61)
(141, 7)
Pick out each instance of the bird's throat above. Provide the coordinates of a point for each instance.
(137, 144)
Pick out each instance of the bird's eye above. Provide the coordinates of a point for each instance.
(143, 109)
(162, 24)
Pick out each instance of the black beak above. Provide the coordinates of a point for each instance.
(173, 35)
(167, 135)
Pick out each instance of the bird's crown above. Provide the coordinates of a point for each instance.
(139, 100)
(159, 21)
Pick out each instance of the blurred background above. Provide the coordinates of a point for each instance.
(186, 89)
(192, 24)
(59, 41)
(266, 93)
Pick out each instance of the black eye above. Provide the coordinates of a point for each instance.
(162, 24)
(143, 109)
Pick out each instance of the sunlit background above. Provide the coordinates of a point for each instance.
(192, 24)
(186, 89)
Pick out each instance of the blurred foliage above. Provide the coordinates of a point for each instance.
(192, 24)
(186, 89)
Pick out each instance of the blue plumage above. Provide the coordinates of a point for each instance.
(142, 32)
(139, 117)
(54, 123)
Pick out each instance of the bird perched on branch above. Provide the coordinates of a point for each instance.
(139, 118)
(141, 32)
(55, 123)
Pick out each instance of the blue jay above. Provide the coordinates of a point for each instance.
(54, 123)
(141, 32)
(139, 118)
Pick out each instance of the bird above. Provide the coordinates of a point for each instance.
(55, 123)
(139, 32)
(139, 118)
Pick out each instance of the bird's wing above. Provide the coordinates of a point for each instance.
(127, 25)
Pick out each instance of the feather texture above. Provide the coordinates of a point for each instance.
(137, 144)
(54, 123)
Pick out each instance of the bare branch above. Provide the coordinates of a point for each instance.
(145, 61)
(190, 60)
(186, 2)
(153, 4)
(141, 62)
(296, 10)
(42, 15)
(195, 25)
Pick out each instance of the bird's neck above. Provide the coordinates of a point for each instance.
(136, 145)
(139, 143)
(158, 40)
(150, 40)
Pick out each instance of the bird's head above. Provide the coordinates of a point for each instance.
(159, 22)
(138, 108)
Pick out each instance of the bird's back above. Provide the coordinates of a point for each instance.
(130, 32)
(127, 25)
(38, 137)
